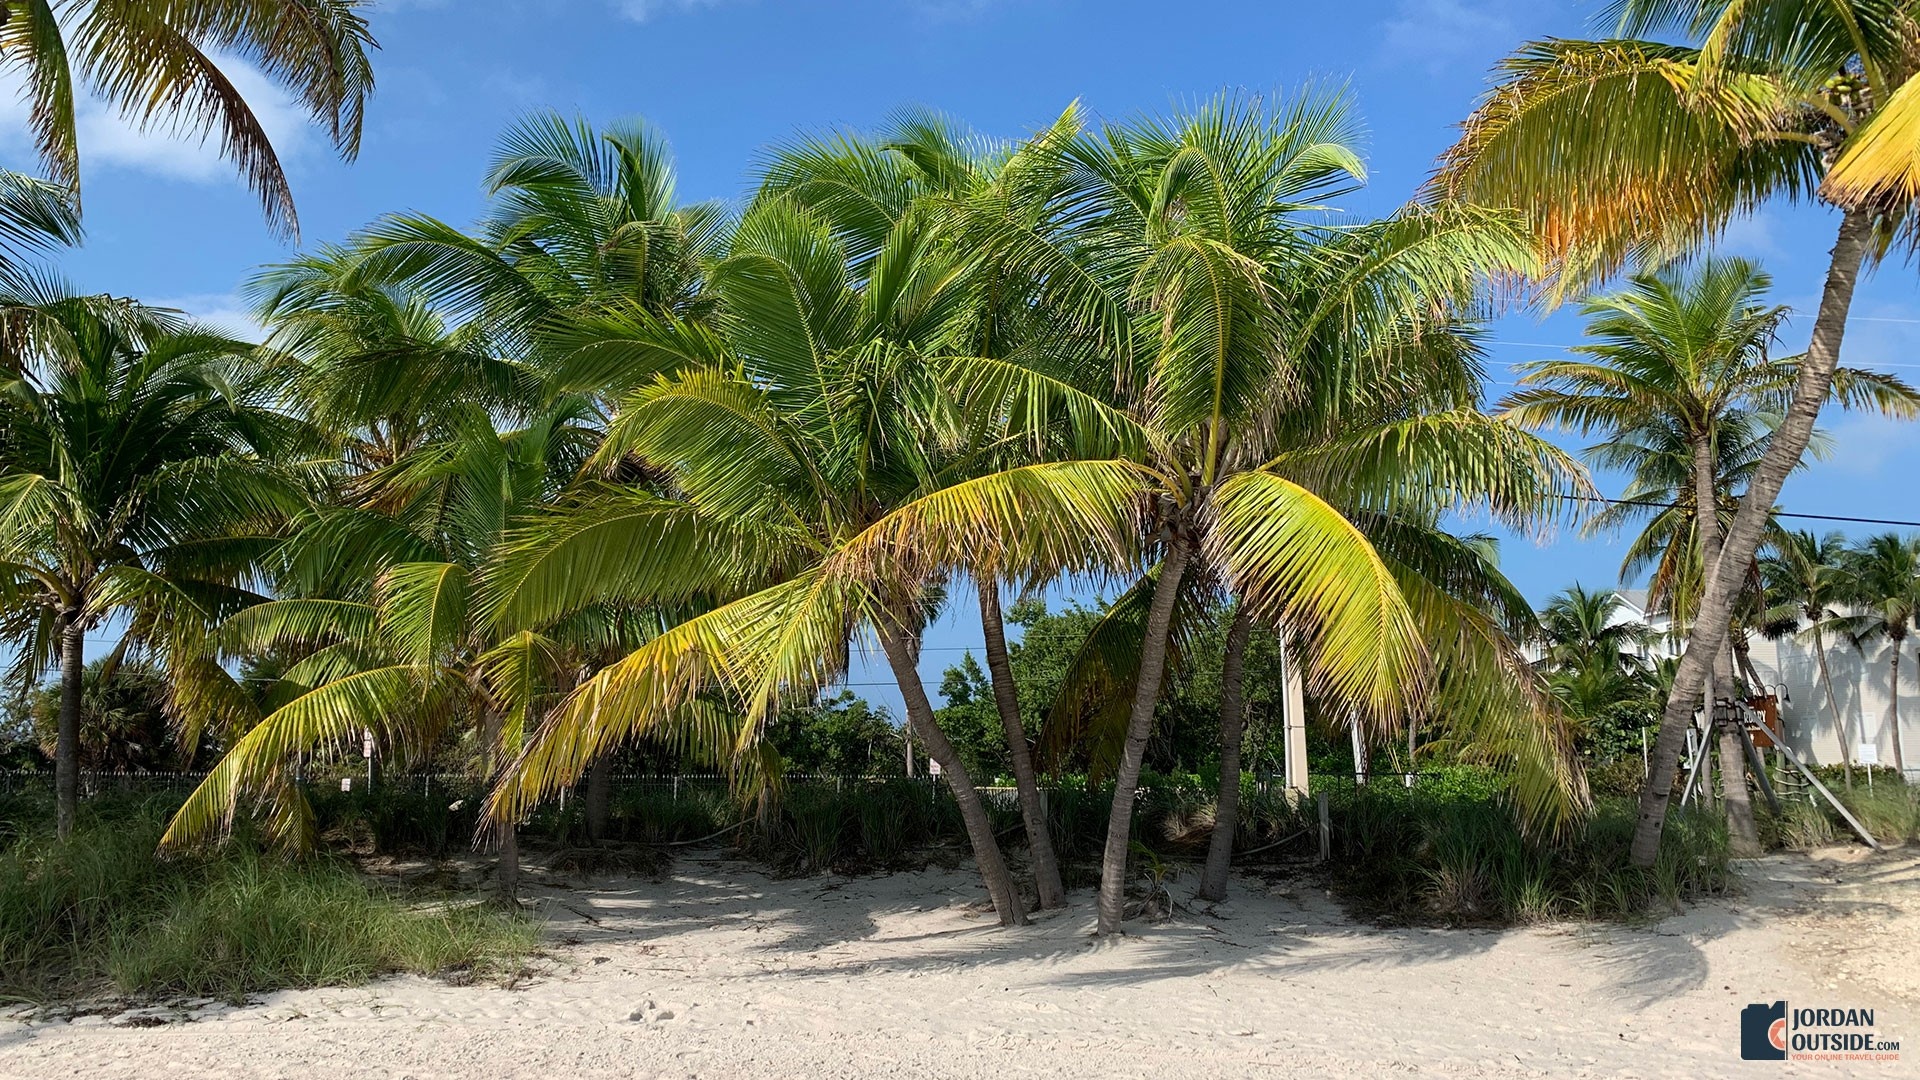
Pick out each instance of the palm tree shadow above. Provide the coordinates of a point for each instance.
(938, 921)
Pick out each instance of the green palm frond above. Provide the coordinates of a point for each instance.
(336, 713)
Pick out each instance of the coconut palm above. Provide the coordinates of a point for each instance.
(34, 216)
(155, 61)
(135, 480)
(377, 366)
(1583, 628)
(581, 221)
(1806, 579)
(863, 187)
(1685, 355)
(375, 604)
(1660, 499)
(1191, 247)
(1884, 605)
(1628, 147)
(795, 433)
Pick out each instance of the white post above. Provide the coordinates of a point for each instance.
(1359, 750)
(1294, 720)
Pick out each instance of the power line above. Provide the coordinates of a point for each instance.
(1653, 504)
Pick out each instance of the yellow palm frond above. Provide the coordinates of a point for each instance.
(1880, 164)
(1295, 560)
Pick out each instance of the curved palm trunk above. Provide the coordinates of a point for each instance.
(507, 870)
(598, 783)
(66, 750)
(1046, 866)
(1233, 730)
(1833, 705)
(1146, 694)
(1789, 442)
(1743, 834)
(973, 812)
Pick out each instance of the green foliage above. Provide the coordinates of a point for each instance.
(842, 735)
(1424, 854)
(971, 719)
(123, 718)
(102, 913)
(1186, 732)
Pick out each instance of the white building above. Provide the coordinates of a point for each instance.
(1861, 687)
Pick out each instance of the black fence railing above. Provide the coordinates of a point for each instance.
(97, 782)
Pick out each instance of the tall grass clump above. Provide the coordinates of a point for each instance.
(1457, 854)
(102, 915)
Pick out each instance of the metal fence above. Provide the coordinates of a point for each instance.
(95, 783)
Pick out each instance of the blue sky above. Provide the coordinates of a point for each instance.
(725, 78)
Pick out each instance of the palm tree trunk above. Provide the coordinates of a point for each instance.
(1233, 730)
(1046, 867)
(507, 870)
(66, 749)
(973, 812)
(1146, 694)
(598, 783)
(1784, 450)
(1743, 834)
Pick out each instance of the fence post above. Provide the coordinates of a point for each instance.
(1326, 830)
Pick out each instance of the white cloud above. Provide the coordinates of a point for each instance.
(1880, 337)
(1752, 236)
(642, 10)
(1438, 34)
(932, 10)
(224, 312)
(162, 149)
(1863, 444)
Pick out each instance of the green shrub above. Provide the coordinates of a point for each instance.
(102, 913)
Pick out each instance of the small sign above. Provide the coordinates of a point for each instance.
(1867, 753)
(933, 767)
(346, 783)
(366, 742)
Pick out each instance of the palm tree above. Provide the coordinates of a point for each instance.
(34, 216)
(864, 188)
(1625, 147)
(582, 222)
(1583, 628)
(1884, 605)
(152, 60)
(376, 366)
(1685, 354)
(135, 478)
(1180, 243)
(1661, 496)
(796, 433)
(377, 603)
(1805, 578)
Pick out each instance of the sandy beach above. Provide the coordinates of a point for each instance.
(720, 971)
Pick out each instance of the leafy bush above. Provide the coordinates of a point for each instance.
(102, 913)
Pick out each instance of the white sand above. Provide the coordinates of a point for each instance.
(734, 975)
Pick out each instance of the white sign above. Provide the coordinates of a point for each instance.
(346, 783)
(933, 767)
(1867, 753)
